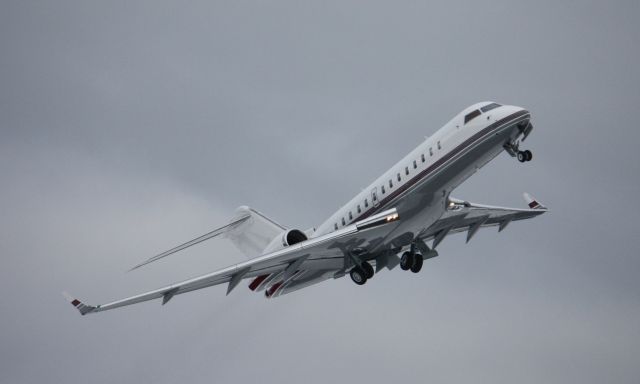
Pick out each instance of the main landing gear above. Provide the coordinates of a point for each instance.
(411, 261)
(512, 147)
(361, 273)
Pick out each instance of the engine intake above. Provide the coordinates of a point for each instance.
(285, 239)
(293, 236)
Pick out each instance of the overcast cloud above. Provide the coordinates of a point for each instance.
(127, 128)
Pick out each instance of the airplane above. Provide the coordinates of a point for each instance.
(390, 223)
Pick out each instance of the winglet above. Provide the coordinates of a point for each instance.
(533, 203)
(83, 308)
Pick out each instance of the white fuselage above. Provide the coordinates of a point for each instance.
(419, 184)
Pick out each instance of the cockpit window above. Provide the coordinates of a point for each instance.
(489, 107)
(471, 115)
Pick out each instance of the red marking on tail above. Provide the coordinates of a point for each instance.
(75, 302)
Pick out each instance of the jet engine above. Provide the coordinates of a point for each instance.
(285, 239)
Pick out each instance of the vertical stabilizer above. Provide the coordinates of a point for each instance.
(253, 235)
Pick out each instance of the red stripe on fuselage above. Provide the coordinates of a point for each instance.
(441, 161)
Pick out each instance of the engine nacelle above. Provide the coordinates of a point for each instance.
(285, 239)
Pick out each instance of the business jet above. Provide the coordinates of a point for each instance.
(400, 219)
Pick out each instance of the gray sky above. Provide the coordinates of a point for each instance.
(128, 128)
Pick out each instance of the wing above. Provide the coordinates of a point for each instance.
(462, 216)
(321, 253)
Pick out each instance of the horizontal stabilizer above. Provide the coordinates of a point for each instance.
(206, 236)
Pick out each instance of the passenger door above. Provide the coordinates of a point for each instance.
(374, 197)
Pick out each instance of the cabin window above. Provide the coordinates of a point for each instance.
(422, 157)
(390, 183)
(399, 176)
(471, 115)
(439, 146)
(415, 165)
(359, 210)
(406, 170)
(350, 216)
(383, 191)
(430, 151)
(489, 107)
(366, 203)
(335, 226)
(343, 223)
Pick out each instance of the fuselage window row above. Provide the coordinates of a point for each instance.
(423, 159)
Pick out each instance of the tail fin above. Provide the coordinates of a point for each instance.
(533, 203)
(253, 235)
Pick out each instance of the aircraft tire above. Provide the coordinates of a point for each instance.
(368, 269)
(417, 263)
(528, 155)
(522, 157)
(406, 261)
(358, 276)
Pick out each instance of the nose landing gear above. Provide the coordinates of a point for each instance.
(524, 156)
(513, 148)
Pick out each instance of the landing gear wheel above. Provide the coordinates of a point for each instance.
(528, 155)
(368, 269)
(358, 276)
(417, 263)
(522, 157)
(406, 261)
